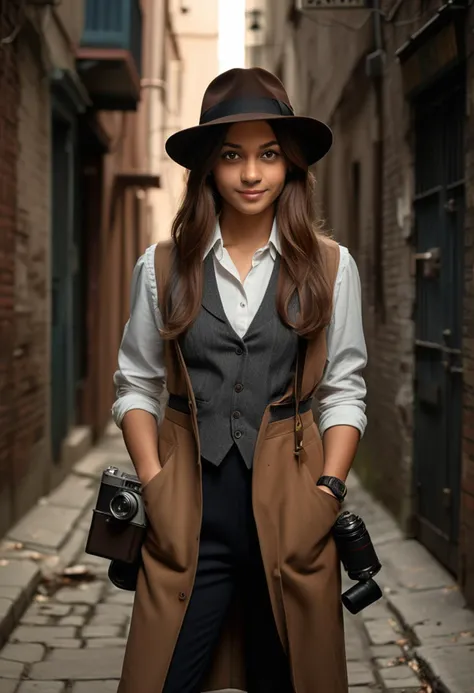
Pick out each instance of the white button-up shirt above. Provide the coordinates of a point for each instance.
(141, 376)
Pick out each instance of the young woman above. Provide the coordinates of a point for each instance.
(250, 320)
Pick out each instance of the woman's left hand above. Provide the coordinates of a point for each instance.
(325, 489)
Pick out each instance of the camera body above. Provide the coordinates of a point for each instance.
(359, 559)
(118, 520)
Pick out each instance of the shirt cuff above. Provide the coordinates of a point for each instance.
(344, 415)
(131, 401)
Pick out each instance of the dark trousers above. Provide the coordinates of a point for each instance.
(229, 560)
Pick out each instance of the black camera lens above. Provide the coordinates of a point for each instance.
(355, 547)
(361, 596)
(124, 506)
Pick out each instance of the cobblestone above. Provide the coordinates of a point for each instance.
(41, 687)
(8, 686)
(80, 665)
(50, 609)
(42, 634)
(398, 677)
(81, 610)
(105, 642)
(360, 673)
(35, 620)
(11, 670)
(65, 644)
(23, 653)
(96, 687)
(77, 621)
(381, 633)
(102, 631)
(88, 594)
(44, 526)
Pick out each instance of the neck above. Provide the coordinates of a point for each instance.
(246, 232)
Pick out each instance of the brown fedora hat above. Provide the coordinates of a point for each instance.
(244, 94)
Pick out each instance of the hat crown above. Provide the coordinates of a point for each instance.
(239, 83)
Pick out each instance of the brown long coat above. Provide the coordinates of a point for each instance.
(293, 518)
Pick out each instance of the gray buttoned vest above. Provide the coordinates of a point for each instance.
(234, 379)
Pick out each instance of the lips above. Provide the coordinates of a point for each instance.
(252, 194)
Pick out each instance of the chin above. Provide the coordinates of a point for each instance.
(251, 209)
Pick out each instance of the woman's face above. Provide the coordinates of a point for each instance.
(251, 169)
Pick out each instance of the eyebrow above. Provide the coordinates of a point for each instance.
(272, 143)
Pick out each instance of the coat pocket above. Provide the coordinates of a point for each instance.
(329, 504)
(152, 491)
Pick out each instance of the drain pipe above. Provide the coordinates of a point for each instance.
(375, 64)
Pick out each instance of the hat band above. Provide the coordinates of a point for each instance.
(246, 105)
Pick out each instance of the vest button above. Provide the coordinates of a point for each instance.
(236, 415)
(182, 596)
(238, 387)
(238, 434)
(239, 351)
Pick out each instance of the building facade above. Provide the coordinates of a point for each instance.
(176, 87)
(74, 178)
(395, 86)
(9, 105)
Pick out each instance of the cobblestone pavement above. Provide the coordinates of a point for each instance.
(65, 630)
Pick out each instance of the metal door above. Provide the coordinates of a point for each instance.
(62, 270)
(439, 215)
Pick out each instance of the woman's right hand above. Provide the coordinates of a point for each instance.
(149, 476)
(140, 434)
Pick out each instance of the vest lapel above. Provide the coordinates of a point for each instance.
(267, 308)
(211, 299)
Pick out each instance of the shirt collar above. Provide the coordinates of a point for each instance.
(217, 245)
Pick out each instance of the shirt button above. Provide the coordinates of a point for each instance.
(238, 387)
(239, 351)
(238, 434)
(236, 415)
(242, 304)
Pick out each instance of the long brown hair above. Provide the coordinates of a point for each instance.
(302, 264)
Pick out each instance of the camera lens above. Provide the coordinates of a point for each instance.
(123, 506)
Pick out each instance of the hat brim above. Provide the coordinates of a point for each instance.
(315, 137)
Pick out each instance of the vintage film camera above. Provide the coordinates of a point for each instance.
(118, 526)
(359, 559)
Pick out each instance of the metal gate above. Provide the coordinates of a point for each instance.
(64, 266)
(439, 215)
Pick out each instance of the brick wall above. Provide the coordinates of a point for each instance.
(385, 460)
(32, 299)
(9, 101)
(24, 271)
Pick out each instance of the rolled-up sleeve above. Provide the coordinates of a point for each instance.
(341, 394)
(140, 379)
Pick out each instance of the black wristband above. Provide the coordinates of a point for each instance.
(335, 485)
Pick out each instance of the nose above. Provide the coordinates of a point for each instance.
(250, 173)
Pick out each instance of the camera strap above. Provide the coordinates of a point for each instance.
(300, 361)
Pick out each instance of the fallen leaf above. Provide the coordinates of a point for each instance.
(41, 598)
